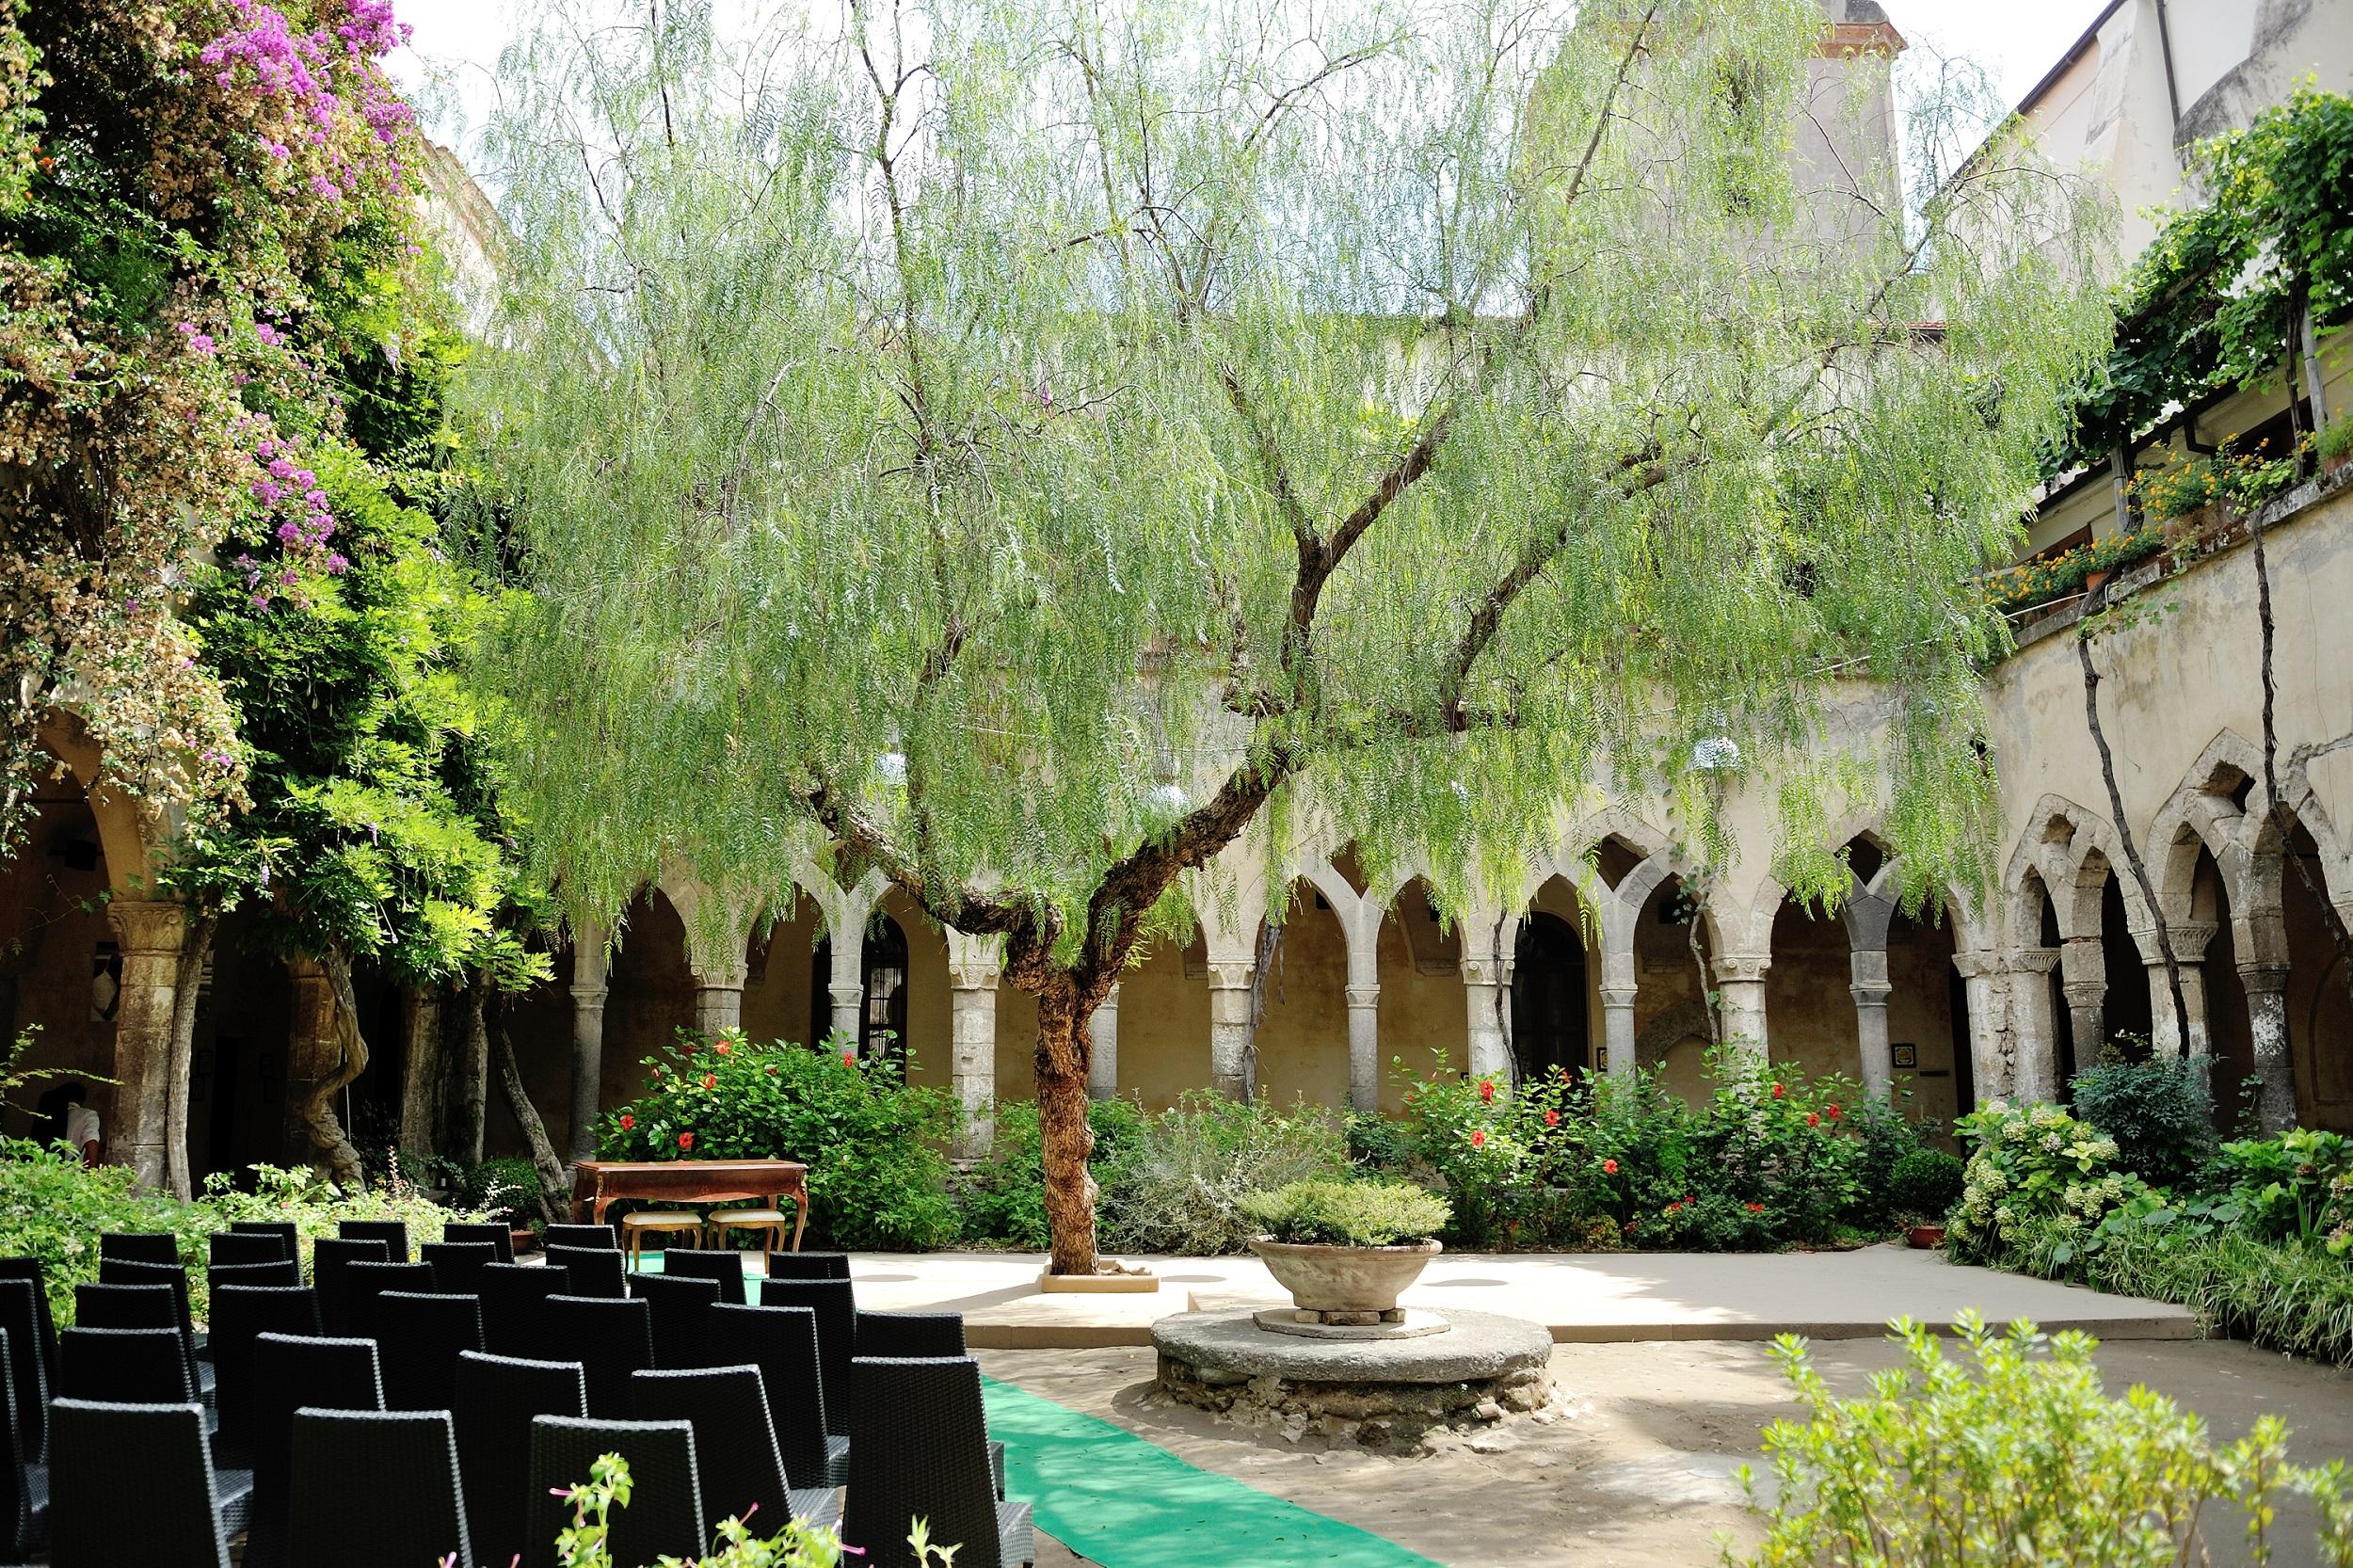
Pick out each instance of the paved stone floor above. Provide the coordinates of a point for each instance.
(1638, 1469)
(1582, 1297)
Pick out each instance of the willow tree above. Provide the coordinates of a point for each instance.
(1022, 445)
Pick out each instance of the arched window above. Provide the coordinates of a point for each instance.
(883, 969)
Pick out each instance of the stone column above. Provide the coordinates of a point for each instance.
(589, 990)
(2189, 939)
(1364, 1048)
(1103, 1060)
(1229, 1028)
(720, 1006)
(2267, 1025)
(1617, 1030)
(1991, 1069)
(1486, 984)
(848, 985)
(2035, 1078)
(424, 1071)
(149, 933)
(2084, 979)
(972, 1051)
(1870, 988)
(1740, 986)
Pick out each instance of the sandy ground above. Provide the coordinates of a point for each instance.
(1636, 1471)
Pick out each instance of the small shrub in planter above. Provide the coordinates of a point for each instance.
(1177, 1185)
(1347, 1213)
(1924, 1186)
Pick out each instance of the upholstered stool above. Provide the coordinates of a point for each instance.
(771, 1223)
(637, 1225)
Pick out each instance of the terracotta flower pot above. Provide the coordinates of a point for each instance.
(1926, 1236)
(2093, 579)
(1325, 1278)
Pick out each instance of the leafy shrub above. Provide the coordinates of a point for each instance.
(2040, 582)
(1177, 1185)
(54, 1207)
(584, 1543)
(2283, 1297)
(2160, 1112)
(1884, 1135)
(1347, 1213)
(875, 1148)
(1005, 1197)
(2297, 1187)
(1925, 1184)
(506, 1188)
(2336, 439)
(2035, 1176)
(2016, 1454)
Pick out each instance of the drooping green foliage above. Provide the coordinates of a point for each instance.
(1023, 442)
(1347, 1213)
(2213, 304)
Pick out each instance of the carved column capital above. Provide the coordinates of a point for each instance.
(2032, 960)
(590, 996)
(1736, 968)
(1618, 995)
(1229, 974)
(2264, 978)
(147, 925)
(1364, 996)
(971, 975)
(2189, 938)
(1485, 972)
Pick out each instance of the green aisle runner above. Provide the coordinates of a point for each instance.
(1123, 1502)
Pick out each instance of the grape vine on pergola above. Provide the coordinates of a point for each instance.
(1027, 445)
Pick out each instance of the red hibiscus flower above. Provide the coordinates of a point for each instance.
(1756, 1208)
(710, 1081)
(1487, 1089)
(1609, 1167)
(1552, 1118)
(1812, 1120)
(772, 1072)
(849, 1059)
(724, 1048)
(1479, 1138)
(628, 1121)
(1777, 1091)
(1833, 1113)
(686, 1140)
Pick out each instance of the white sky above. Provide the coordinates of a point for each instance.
(2019, 39)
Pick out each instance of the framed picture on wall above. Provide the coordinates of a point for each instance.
(1904, 1056)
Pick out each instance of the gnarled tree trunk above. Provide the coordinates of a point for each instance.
(318, 1109)
(1063, 1047)
(425, 1074)
(543, 1157)
(473, 1072)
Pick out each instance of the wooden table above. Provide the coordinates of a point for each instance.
(595, 1183)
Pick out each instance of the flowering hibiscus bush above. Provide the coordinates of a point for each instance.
(876, 1148)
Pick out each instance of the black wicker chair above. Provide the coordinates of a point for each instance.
(914, 1336)
(108, 1455)
(735, 1447)
(29, 1374)
(606, 1238)
(231, 1248)
(331, 1258)
(420, 1337)
(809, 1265)
(594, 1271)
(458, 1265)
(393, 1233)
(682, 1315)
(105, 1305)
(489, 1231)
(272, 1270)
(291, 1371)
(29, 1269)
(123, 1365)
(126, 1271)
(24, 1485)
(921, 1451)
(375, 1489)
(722, 1264)
(289, 1235)
(664, 1514)
(610, 1339)
(140, 1246)
(782, 1342)
(910, 1336)
(837, 1339)
(497, 1398)
(367, 1281)
(512, 1296)
(241, 1312)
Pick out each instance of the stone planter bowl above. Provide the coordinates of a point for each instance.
(1325, 1278)
(1926, 1236)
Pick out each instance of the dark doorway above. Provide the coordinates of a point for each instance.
(1964, 1066)
(1548, 1023)
(883, 1025)
(2126, 1009)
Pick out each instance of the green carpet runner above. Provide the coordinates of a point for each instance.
(1120, 1501)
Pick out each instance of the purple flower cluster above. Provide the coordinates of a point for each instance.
(198, 342)
(306, 524)
(277, 63)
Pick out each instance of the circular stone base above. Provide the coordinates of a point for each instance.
(1413, 1325)
(1387, 1392)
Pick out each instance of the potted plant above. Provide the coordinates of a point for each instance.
(1345, 1249)
(2335, 446)
(1922, 1187)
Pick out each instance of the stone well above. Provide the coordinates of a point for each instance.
(1384, 1389)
